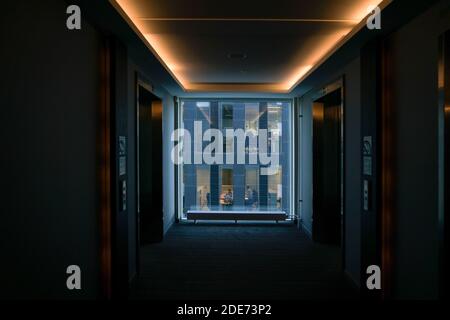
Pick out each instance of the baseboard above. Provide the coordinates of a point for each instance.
(352, 281)
(132, 280)
(169, 224)
(306, 230)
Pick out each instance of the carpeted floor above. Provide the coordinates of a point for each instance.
(250, 261)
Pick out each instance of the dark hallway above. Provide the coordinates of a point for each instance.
(240, 262)
(183, 151)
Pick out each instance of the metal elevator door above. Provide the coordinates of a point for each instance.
(327, 169)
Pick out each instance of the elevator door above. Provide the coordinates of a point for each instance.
(327, 168)
(150, 210)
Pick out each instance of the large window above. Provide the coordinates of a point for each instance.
(238, 156)
(251, 188)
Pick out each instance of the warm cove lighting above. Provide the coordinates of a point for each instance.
(163, 51)
(355, 18)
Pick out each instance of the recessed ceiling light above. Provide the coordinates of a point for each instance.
(237, 56)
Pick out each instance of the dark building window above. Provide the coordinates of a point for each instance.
(227, 116)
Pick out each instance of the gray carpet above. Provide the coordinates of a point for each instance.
(240, 262)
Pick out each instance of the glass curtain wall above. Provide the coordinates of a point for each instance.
(238, 156)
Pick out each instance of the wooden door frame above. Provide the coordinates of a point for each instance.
(378, 117)
(443, 159)
(140, 81)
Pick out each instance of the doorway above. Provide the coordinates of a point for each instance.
(444, 158)
(328, 165)
(149, 165)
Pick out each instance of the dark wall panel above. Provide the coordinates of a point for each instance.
(352, 122)
(370, 119)
(119, 111)
(49, 101)
(414, 54)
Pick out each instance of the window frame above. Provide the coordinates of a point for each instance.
(292, 142)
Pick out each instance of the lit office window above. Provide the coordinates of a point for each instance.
(274, 122)
(252, 117)
(203, 188)
(252, 125)
(275, 191)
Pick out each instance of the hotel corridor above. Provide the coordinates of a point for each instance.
(230, 151)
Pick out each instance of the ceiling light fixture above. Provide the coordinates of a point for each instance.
(237, 56)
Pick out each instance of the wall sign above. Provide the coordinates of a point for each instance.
(122, 166)
(122, 155)
(122, 145)
(122, 150)
(367, 155)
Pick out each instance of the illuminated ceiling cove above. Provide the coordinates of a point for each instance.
(244, 46)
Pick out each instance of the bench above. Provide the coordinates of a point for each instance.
(236, 215)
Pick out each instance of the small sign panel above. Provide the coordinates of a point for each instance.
(367, 145)
(366, 195)
(122, 145)
(367, 165)
(123, 196)
(367, 155)
(122, 166)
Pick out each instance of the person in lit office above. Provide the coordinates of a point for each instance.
(203, 197)
(228, 199)
(254, 199)
(248, 197)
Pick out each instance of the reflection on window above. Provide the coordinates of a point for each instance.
(237, 186)
(228, 145)
(251, 117)
(251, 125)
(203, 111)
(227, 116)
